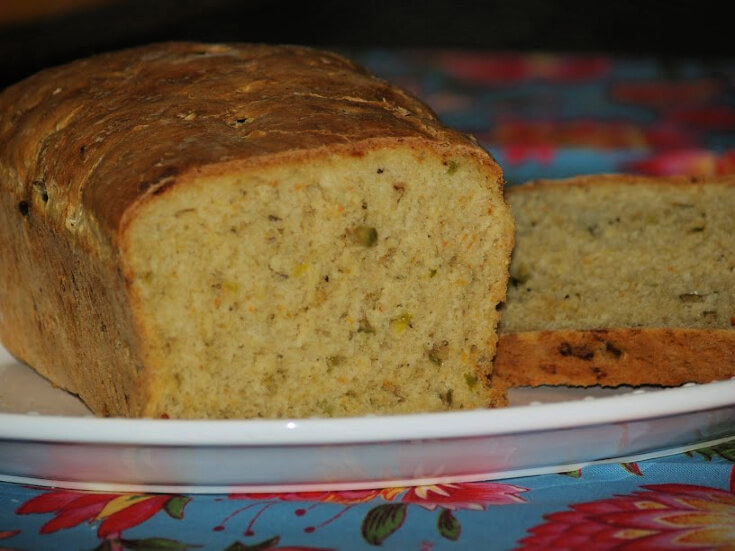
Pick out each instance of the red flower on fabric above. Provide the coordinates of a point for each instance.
(342, 497)
(706, 117)
(519, 154)
(667, 94)
(579, 133)
(475, 495)
(664, 516)
(693, 162)
(469, 495)
(509, 69)
(117, 512)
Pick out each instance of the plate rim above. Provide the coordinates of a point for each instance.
(350, 485)
(636, 405)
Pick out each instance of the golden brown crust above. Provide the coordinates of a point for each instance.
(66, 314)
(613, 357)
(97, 134)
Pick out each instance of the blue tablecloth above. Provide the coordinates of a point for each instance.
(541, 116)
(682, 502)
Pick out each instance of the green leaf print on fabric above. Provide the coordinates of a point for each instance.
(448, 525)
(382, 521)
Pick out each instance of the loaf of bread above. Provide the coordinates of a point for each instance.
(238, 231)
(620, 280)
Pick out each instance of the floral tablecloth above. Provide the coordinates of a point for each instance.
(541, 116)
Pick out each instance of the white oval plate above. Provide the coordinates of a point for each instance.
(48, 438)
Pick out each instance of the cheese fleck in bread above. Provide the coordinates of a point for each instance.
(620, 279)
(234, 231)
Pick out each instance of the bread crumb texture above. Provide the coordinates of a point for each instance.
(234, 231)
(339, 286)
(622, 252)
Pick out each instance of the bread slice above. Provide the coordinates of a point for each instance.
(619, 279)
(235, 231)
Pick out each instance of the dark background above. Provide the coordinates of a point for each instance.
(38, 33)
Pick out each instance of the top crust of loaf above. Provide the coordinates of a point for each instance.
(93, 137)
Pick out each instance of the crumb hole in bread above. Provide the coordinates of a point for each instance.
(583, 351)
(240, 121)
(613, 350)
(40, 187)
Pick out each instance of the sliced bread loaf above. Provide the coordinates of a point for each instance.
(197, 230)
(620, 279)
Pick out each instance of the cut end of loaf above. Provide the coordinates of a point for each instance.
(622, 252)
(348, 285)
